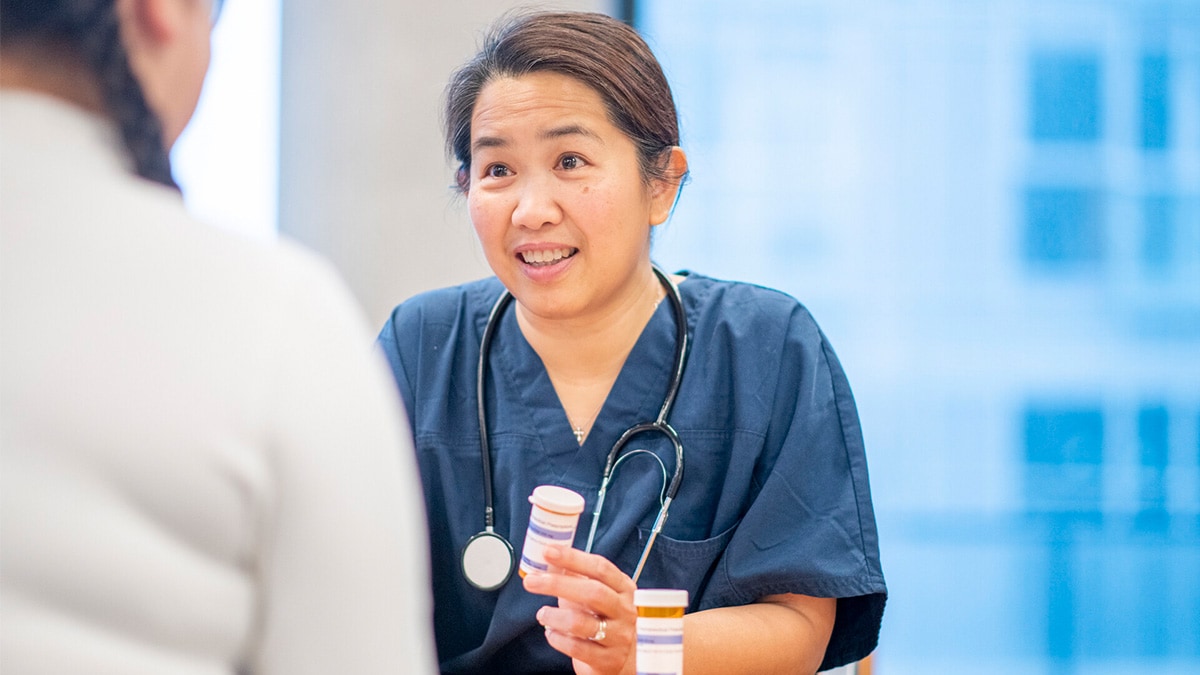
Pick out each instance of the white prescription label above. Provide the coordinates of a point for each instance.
(659, 646)
(545, 529)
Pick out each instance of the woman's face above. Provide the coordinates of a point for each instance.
(557, 198)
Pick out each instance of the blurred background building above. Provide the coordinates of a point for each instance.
(992, 208)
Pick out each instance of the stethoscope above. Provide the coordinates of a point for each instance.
(487, 558)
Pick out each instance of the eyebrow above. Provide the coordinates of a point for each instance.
(570, 130)
(554, 132)
(488, 142)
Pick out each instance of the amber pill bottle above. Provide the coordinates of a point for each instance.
(660, 630)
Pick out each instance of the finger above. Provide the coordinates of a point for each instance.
(585, 626)
(590, 596)
(591, 566)
(610, 655)
(589, 658)
(578, 648)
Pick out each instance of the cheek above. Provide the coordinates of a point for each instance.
(622, 197)
(488, 217)
(594, 201)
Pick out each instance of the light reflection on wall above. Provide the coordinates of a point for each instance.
(993, 208)
(227, 161)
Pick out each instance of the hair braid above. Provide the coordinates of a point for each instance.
(98, 37)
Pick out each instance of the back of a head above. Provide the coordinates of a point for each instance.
(50, 32)
(603, 53)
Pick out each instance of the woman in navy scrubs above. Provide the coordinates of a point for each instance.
(566, 134)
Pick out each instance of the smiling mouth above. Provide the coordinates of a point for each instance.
(547, 257)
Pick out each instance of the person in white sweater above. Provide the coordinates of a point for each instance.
(204, 465)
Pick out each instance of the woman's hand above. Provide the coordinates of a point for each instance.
(592, 595)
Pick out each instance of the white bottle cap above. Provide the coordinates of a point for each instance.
(660, 597)
(557, 499)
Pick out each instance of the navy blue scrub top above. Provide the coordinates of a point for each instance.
(774, 497)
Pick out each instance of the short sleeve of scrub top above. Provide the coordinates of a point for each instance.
(774, 497)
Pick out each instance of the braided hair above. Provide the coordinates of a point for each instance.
(91, 29)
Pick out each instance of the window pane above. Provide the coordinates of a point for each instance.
(1152, 425)
(1158, 232)
(1064, 436)
(1063, 452)
(1063, 227)
(1156, 103)
(1152, 489)
(1152, 436)
(1065, 92)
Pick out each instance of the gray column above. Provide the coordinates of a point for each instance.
(363, 178)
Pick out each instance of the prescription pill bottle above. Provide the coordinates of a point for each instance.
(660, 630)
(552, 522)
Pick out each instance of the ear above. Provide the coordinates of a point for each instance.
(151, 23)
(462, 178)
(664, 191)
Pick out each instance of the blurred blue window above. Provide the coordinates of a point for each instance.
(1153, 440)
(1064, 450)
(1064, 435)
(1158, 232)
(868, 158)
(1152, 436)
(1065, 97)
(1156, 101)
(1063, 227)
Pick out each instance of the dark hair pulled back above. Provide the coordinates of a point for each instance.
(90, 29)
(599, 51)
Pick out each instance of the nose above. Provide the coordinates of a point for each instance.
(537, 204)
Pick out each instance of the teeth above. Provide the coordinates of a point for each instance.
(546, 257)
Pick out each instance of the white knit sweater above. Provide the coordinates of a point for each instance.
(204, 466)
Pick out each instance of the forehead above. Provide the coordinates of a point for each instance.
(534, 103)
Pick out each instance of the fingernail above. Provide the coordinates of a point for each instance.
(552, 553)
(541, 615)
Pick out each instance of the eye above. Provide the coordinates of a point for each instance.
(496, 171)
(571, 162)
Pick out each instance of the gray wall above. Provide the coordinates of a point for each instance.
(363, 176)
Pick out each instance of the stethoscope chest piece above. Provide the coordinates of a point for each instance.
(487, 561)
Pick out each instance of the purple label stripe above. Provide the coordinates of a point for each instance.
(660, 639)
(557, 535)
(535, 565)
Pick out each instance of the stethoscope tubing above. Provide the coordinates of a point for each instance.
(485, 344)
(660, 424)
